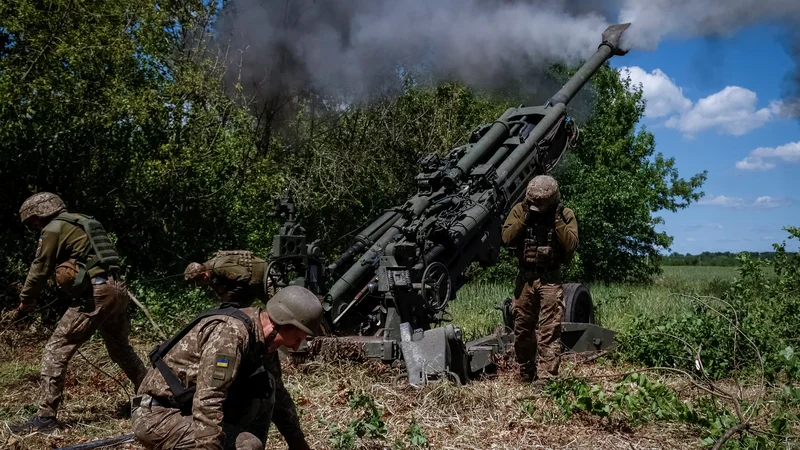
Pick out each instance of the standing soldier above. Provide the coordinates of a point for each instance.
(236, 276)
(217, 383)
(545, 235)
(77, 249)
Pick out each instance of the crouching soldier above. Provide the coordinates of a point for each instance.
(545, 235)
(217, 383)
(236, 276)
(85, 262)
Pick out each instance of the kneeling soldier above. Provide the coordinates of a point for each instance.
(236, 276)
(217, 383)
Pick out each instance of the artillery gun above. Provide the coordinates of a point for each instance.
(392, 286)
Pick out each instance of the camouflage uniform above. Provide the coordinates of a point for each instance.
(209, 357)
(538, 295)
(102, 306)
(236, 276)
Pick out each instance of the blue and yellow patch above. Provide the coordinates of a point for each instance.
(222, 362)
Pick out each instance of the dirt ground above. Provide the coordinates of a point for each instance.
(495, 412)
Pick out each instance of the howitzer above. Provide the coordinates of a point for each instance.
(395, 281)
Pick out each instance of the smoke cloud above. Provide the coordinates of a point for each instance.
(361, 47)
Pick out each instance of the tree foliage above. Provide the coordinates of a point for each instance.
(117, 107)
(616, 182)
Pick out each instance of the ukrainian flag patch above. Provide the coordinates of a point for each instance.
(222, 362)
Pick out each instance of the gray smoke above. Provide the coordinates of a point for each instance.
(655, 19)
(359, 47)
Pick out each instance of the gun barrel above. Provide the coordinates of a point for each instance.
(609, 48)
(514, 164)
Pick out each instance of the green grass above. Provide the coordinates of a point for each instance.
(13, 373)
(615, 305)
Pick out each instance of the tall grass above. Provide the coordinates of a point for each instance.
(615, 305)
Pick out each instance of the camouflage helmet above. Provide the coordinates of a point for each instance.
(193, 270)
(41, 205)
(542, 192)
(296, 305)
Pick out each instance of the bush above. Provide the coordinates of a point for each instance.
(754, 320)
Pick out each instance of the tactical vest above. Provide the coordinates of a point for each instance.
(100, 252)
(541, 252)
(252, 380)
(245, 258)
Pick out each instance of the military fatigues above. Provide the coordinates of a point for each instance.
(100, 306)
(231, 408)
(237, 276)
(542, 244)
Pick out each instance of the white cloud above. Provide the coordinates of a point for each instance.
(788, 152)
(758, 159)
(721, 200)
(754, 163)
(732, 110)
(729, 111)
(663, 96)
(691, 239)
(737, 202)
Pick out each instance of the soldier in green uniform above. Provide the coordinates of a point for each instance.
(545, 235)
(78, 251)
(236, 276)
(217, 383)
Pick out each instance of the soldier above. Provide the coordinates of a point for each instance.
(217, 383)
(86, 265)
(545, 235)
(236, 276)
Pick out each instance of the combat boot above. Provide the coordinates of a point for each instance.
(527, 372)
(36, 424)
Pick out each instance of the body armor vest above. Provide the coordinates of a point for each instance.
(100, 253)
(541, 251)
(245, 258)
(252, 380)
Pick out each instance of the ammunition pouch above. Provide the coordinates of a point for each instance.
(72, 277)
(541, 256)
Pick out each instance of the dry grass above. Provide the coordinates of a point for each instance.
(496, 412)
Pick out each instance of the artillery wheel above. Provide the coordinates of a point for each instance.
(436, 286)
(272, 279)
(578, 304)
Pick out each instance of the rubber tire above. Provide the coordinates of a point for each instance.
(578, 306)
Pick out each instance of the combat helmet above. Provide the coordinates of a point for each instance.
(193, 270)
(542, 192)
(41, 205)
(296, 305)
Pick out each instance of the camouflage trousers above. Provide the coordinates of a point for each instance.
(538, 301)
(104, 310)
(160, 428)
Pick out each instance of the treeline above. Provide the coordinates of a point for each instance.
(125, 109)
(726, 259)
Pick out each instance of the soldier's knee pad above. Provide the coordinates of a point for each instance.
(248, 441)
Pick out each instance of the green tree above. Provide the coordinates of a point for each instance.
(615, 182)
(118, 107)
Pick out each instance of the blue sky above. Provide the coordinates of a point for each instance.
(713, 104)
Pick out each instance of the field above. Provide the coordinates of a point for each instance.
(615, 304)
(595, 405)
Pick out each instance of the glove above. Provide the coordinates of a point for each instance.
(23, 307)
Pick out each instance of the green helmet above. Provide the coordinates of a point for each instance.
(542, 193)
(296, 305)
(41, 205)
